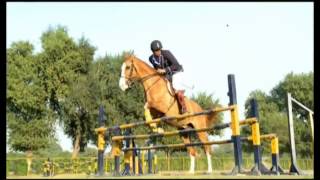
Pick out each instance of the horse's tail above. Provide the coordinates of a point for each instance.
(212, 118)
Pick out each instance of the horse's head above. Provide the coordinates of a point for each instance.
(134, 69)
(128, 72)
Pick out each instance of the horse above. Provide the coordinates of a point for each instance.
(159, 97)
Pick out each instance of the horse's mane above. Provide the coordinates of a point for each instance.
(145, 64)
(149, 67)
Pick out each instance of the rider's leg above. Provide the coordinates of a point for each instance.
(181, 100)
(177, 82)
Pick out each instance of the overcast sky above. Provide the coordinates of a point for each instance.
(259, 42)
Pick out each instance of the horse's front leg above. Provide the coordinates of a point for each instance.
(148, 117)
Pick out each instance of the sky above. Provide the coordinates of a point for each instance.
(258, 42)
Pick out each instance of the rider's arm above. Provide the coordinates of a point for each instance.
(153, 63)
(175, 66)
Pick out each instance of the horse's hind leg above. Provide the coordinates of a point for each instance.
(203, 136)
(192, 152)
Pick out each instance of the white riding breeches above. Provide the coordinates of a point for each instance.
(178, 81)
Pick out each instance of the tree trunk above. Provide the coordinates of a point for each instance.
(76, 147)
(29, 161)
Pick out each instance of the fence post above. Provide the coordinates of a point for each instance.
(255, 131)
(312, 133)
(293, 167)
(275, 156)
(128, 155)
(116, 152)
(168, 162)
(149, 161)
(235, 126)
(101, 142)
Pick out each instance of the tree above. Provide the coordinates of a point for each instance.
(29, 121)
(273, 113)
(53, 150)
(78, 123)
(301, 88)
(64, 67)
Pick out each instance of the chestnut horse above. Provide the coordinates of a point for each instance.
(160, 98)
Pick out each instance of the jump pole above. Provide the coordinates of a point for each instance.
(235, 125)
(101, 142)
(293, 167)
(258, 168)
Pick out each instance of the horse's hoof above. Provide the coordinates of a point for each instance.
(191, 172)
(209, 172)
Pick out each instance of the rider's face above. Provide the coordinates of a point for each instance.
(157, 53)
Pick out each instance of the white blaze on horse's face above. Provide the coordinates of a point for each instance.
(123, 82)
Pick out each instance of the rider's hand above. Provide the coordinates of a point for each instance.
(161, 71)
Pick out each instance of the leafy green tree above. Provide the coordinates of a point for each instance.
(29, 120)
(53, 150)
(65, 65)
(273, 113)
(78, 123)
(301, 88)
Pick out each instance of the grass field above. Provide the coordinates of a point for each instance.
(170, 175)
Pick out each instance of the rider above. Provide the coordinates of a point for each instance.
(165, 63)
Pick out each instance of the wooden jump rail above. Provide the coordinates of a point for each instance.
(264, 136)
(163, 119)
(182, 132)
(182, 145)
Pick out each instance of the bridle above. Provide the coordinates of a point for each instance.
(131, 80)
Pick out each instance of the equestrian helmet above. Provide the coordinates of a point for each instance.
(156, 45)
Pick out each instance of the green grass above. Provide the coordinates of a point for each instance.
(171, 175)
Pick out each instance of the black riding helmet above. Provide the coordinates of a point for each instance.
(156, 45)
